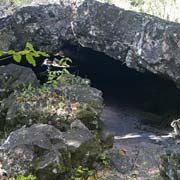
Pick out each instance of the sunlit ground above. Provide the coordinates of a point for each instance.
(139, 135)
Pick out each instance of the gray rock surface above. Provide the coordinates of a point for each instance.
(46, 151)
(14, 77)
(8, 7)
(137, 153)
(60, 106)
(141, 41)
(170, 164)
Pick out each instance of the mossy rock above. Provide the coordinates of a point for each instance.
(47, 152)
(170, 165)
(53, 105)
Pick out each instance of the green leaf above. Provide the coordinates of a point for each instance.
(43, 53)
(61, 61)
(1, 53)
(80, 171)
(30, 59)
(64, 61)
(24, 52)
(68, 59)
(65, 71)
(17, 57)
(62, 80)
(29, 46)
(35, 54)
(10, 52)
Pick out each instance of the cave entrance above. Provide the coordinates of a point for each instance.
(121, 84)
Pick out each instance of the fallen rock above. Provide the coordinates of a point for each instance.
(59, 106)
(14, 77)
(170, 164)
(47, 152)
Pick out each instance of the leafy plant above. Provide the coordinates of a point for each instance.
(4, 133)
(29, 52)
(64, 62)
(21, 177)
(104, 159)
(83, 173)
(55, 76)
(52, 77)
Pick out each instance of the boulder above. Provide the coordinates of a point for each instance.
(47, 152)
(59, 106)
(14, 77)
(143, 42)
(170, 164)
(8, 7)
(55, 14)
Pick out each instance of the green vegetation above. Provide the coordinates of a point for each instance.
(22, 177)
(104, 159)
(30, 177)
(44, 101)
(29, 52)
(41, 103)
(83, 173)
(55, 76)
(4, 133)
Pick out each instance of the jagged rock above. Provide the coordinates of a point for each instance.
(33, 19)
(90, 98)
(77, 124)
(107, 138)
(14, 77)
(175, 124)
(170, 164)
(141, 41)
(8, 7)
(43, 148)
(58, 106)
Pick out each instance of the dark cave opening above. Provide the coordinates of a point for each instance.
(120, 84)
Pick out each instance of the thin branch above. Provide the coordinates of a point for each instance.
(4, 58)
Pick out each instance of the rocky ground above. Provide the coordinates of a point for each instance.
(137, 147)
(66, 119)
(47, 130)
(51, 131)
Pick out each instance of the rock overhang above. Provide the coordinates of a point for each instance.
(141, 41)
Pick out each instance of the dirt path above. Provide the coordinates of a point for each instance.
(136, 146)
